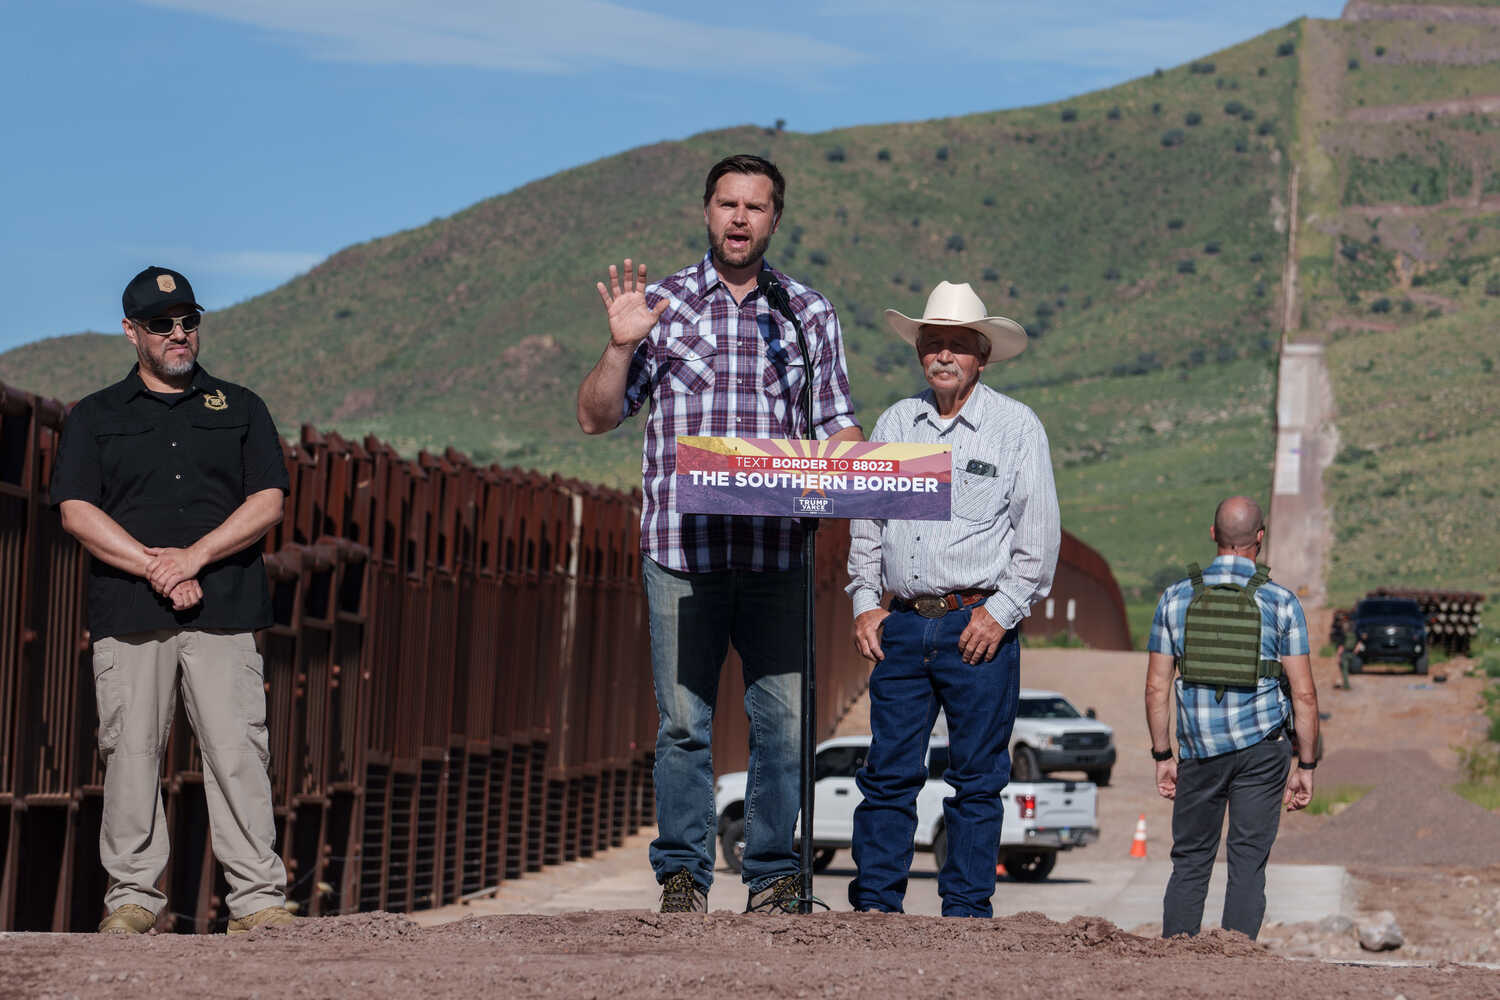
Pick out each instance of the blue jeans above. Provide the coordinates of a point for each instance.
(923, 670)
(694, 618)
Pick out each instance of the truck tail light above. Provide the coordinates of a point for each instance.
(1026, 805)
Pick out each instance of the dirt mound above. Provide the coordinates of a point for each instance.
(623, 954)
(1410, 817)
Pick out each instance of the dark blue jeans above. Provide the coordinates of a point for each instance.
(694, 618)
(922, 671)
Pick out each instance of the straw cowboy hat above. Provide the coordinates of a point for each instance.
(957, 305)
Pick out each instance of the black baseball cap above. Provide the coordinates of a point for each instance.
(156, 290)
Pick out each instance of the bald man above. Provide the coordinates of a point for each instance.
(1246, 705)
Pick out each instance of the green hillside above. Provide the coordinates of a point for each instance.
(1134, 231)
(1139, 233)
(1400, 276)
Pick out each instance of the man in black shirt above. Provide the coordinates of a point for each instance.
(169, 478)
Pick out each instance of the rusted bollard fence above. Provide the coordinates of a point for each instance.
(458, 684)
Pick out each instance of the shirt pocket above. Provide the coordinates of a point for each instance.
(781, 383)
(124, 451)
(218, 441)
(978, 499)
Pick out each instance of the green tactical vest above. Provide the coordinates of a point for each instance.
(1221, 640)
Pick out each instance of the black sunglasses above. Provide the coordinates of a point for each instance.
(162, 325)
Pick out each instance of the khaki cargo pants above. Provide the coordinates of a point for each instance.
(135, 681)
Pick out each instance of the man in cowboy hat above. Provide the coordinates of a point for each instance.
(948, 639)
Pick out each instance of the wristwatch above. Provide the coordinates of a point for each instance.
(1161, 755)
(1303, 765)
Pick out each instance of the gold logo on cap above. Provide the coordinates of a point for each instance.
(215, 400)
(166, 283)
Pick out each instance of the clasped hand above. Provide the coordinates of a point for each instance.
(173, 573)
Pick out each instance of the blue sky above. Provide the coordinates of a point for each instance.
(242, 141)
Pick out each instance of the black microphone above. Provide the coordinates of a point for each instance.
(775, 294)
(776, 297)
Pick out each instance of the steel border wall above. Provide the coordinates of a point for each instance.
(458, 684)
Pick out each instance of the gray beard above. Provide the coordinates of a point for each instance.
(166, 369)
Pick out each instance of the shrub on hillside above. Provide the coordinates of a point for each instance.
(1156, 108)
(1187, 267)
(1379, 51)
(1069, 114)
(1174, 223)
(1173, 137)
(1204, 68)
(1286, 48)
(1248, 115)
(942, 153)
(1014, 293)
(989, 201)
(1211, 247)
(1381, 305)
(1353, 64)
(1113, 114)
(914, 285)
(1257, 257)
(818, 257)
(1350, 251)
(1233, 108)
(1192, 118)
(955, 243)
(1266, 127)
(883, 155)
(1492, 285)
(990, 274)
(835, 155)
(1242, 145)
(1112, 274)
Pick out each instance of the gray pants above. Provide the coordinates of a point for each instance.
(135, 681)
(1250, 784)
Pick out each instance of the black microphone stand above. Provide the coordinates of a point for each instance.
(777, 298)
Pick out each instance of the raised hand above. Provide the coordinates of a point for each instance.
(630, 318)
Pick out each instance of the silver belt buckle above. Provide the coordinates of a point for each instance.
(930, 607)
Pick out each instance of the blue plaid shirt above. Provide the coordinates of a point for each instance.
(1207, 727)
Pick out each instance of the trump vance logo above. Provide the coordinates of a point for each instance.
(812, 505)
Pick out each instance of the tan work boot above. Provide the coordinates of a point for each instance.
(271, 916)
(128, 919)
(782, 896)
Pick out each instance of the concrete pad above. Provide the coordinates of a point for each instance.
(1128, 893)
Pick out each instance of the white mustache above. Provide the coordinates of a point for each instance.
(943, 368)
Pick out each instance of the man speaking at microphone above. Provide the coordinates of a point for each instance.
(712, 350)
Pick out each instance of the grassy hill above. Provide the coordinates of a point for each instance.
(1139, 233)
(1400, 276)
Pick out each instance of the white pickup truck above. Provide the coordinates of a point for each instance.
(1041, 817)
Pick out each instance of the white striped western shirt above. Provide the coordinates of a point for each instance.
(1005, 529)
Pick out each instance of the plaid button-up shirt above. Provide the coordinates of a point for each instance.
(1207, 727)
(719, 368)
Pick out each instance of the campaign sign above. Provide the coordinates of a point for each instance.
(775, 477)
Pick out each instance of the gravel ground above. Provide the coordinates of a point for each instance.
(624, 954)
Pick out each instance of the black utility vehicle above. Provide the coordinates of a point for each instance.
(1390, 630)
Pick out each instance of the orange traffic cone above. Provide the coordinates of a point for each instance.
(1138, 842)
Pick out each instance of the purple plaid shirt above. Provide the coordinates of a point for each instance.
(718, 368)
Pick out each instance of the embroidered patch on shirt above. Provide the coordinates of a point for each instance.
(215, 400)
